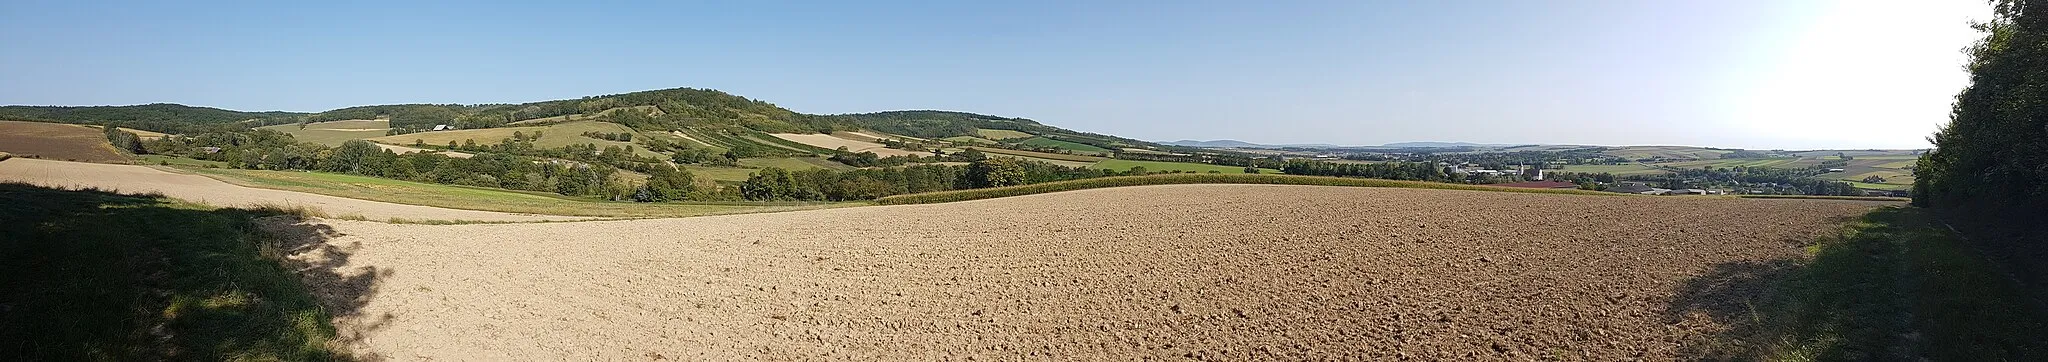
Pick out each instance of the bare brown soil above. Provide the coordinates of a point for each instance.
(1230, 272)
(200, 189)
(57, 141)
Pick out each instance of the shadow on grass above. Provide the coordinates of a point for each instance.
(1892, 286)
(94, 275)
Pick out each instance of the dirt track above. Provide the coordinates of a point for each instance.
(1231, 272)
(195, 188)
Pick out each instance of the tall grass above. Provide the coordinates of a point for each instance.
(1198, 178)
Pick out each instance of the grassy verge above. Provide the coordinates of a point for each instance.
(90, 275)
(1196, 178)
(1895, 285)
(480, 198)
(1827, 197)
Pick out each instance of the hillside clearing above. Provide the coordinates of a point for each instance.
(832, 142)
(58, 141)
(1001, 134)
(333, 133)
(552, 136)
(1254, 272)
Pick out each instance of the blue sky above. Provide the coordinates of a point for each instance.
(1737, 73)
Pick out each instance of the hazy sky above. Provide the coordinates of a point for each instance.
(1735, 73)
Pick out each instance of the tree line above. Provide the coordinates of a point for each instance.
(1989, 166)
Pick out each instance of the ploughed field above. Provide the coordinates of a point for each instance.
(57, 141)
(1229, 272)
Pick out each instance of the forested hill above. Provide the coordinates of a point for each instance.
(161, 117)
(666, 108)
(657, 110)
(937, 124)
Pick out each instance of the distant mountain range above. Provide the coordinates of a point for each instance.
(1243, 144)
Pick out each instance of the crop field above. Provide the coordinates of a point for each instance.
(1158, 166)
(877, 136)
(1858, 153)
(1001, 134)
(335, 132)
(1883, 186)
(1890, 166)
(57, 141)
(1070, 146)
(204, 190)
(1617, 170)
(832, 142)
(1781, 162)
(1671, 152)
(1229, 272)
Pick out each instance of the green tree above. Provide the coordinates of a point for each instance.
(1990, 162)
(768, 184)
(995, 172)
(354, 157)
(124, 140)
